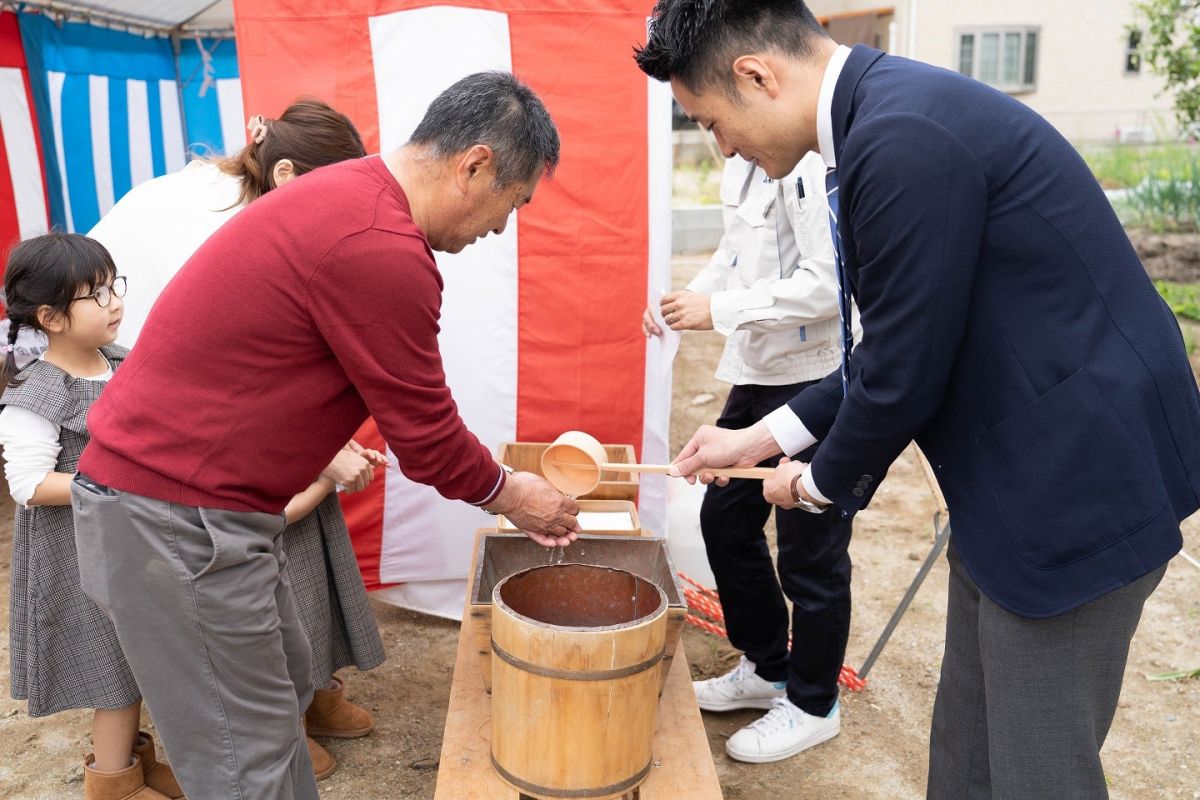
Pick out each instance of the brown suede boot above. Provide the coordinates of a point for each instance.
(324, 764)
(124, 784)
(158, 775)
(331, 714)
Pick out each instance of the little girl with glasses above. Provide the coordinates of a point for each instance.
(63, 650)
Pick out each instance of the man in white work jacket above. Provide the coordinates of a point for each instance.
(771, 289)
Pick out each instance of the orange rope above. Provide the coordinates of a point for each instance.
(706, 601)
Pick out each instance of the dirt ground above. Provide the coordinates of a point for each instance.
(1151, 753)
(1168, 256)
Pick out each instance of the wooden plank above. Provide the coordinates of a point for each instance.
(675, 619)
(934, 487)
(481, 634)
(683, 765)
(627, 509)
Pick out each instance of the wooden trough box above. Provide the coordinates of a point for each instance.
(500, 555)
(596, 517)
(527, 457)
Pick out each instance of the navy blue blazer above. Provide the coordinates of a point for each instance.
(1010, 329)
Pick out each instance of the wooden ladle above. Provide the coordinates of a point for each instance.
(575, 460)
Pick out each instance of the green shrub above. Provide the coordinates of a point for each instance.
(1189, 338)
(1167, 201)
(1183, 298)
(1123, 166)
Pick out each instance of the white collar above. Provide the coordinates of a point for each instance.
(833, 71)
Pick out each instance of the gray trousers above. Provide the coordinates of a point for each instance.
(203, 611)
(1024, 705)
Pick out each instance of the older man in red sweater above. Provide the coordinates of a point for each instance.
(196, 447)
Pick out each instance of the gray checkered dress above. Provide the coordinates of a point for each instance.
(329, 593)
(63, 650)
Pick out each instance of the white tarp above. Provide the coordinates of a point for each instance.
(197, 15)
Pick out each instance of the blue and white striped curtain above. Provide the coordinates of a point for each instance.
(212, 96)
(108, 104)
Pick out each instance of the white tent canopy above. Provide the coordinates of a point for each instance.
(180, 16)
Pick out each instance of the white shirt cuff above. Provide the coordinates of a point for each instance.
(810, 486)
(789, 432)
(723, 310)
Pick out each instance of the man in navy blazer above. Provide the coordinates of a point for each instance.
(1009, 328)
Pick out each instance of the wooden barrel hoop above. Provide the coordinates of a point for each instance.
(569, 675)
(533, 788)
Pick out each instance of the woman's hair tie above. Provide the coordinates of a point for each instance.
(258, 128)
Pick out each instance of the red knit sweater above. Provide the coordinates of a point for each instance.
(316, 305)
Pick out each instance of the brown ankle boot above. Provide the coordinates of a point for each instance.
(331, 714)
(124, 784)
(158, 775)
(324, 764)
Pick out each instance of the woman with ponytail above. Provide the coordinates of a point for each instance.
(152, 232)
(154, 229)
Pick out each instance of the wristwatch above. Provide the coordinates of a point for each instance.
(800, 502)
(507, 471)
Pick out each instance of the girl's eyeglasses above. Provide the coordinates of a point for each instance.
(103, 295)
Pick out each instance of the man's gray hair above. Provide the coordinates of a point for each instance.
(495, 109)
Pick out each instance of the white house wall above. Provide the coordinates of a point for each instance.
(1082, 87)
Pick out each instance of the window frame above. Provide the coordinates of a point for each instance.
(977, 32)
(1133, 54)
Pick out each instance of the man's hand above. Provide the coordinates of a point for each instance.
(777, 489)
(649, 326)
(721, 447)
(687, 311)
(539, 510)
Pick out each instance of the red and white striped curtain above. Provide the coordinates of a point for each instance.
(23, 208)
(541, 325)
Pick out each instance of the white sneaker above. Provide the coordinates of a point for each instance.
(741, 688)
(782, 733)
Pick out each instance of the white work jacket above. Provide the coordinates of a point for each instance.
(772, 283)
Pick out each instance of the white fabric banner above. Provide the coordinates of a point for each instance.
(24, 166)
(426, 538)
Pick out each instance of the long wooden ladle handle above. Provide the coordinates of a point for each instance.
(756, 473)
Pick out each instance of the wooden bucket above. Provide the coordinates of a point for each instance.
(577, 651)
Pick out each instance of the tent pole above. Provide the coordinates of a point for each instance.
(177, 49)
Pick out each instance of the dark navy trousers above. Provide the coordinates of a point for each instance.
(814, 571)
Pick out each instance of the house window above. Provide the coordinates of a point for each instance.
(1030, 75)
(966, 54)
(1133, 58)
(1003, 57)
